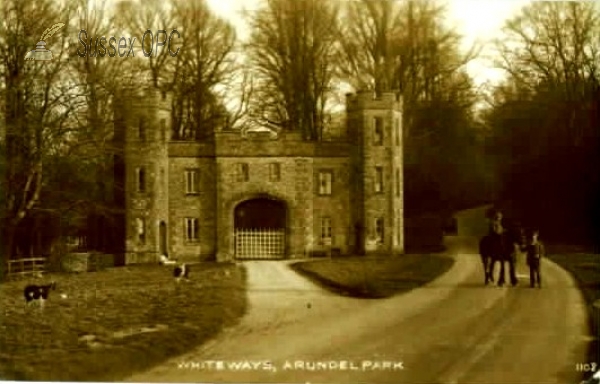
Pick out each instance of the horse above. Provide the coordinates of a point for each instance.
(494, 248)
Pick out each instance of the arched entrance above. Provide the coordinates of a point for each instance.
(259, 226)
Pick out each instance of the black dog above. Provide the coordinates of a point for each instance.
(181, 272)
(38, 293)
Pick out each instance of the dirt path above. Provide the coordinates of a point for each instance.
(453, 330)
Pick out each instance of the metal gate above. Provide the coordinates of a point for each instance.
(266, 244)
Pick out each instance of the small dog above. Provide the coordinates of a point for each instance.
(181, 272)
(38, 293)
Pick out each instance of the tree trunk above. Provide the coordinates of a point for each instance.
(9, 240)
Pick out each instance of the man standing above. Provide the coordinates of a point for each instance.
(515, 239)
(535, 252)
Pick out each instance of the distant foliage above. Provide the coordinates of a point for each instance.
(544, 119)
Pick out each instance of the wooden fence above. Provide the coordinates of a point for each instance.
(26, 267)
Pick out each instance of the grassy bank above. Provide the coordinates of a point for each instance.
(104, 326)
(585, 268)
(374, 277)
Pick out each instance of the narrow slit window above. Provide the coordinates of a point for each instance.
(243, 173)
(379, 229)
(141, 180)
(142, 129)
(378, 179)
(274, 171)
(398, 229)
(378, 131)
(397, 183)
(141, 230)
(325, 182)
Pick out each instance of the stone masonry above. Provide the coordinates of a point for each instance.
(364, 208)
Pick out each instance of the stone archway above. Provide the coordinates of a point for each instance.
(260, 228)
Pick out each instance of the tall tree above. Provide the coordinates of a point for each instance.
(292, 51)
(37, 102)
(545, 117)
(404, 46)
(205, 63)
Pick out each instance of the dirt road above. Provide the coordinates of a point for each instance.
(454, 330)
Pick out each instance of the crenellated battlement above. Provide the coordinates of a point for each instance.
(370, 100)
(188, 199)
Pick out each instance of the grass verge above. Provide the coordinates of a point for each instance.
(113, 307)
(585, 268)
(374, 277)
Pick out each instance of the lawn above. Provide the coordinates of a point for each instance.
(375, 277)
(104, 326)
(585, 268)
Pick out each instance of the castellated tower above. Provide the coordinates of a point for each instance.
(375, 131)
(142, 122)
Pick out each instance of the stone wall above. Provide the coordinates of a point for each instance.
(351, 158)
(231, 191)
(334, 206)
(363, 109)
(86, 262)
(149, 152)
(201, 206)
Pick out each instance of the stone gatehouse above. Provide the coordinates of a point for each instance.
(260, 193)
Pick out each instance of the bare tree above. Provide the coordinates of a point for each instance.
(155, 16)
(292, 49)
(544, 118)
(404, 46)
(37, 102)
(556, 46)
(204, 63)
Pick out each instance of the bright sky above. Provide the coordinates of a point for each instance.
(477, 20)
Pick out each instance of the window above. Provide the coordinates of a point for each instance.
(397, 182)
(398, 229)
(379, 229)
(398, 132)
(242, 172)
(163, 129)
(141, 180)
(142, 129)
(164, 95)
(324, 182)
(378, 131)
(141, 229)
(325, 229)
(378, 179)
(191, 229)
(192, 177)
(274, 172)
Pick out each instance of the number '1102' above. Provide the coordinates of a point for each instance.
(586, 367)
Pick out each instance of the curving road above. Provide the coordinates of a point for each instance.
(453, 330)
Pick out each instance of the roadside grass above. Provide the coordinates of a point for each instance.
(585, 268)
(113, 308)
(374, 277)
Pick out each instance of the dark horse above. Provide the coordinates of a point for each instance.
(495, 248)
(491, 250)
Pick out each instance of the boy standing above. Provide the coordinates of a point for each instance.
(535, 252)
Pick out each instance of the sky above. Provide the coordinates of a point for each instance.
(477, 20)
